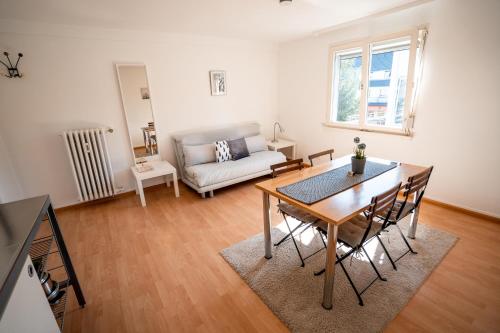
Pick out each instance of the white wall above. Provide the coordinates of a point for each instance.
(139, 112)
(458, 112)
(10, 189)
(70, 82)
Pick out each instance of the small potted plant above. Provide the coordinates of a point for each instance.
(359, 159)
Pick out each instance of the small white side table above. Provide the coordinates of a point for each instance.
(160, 169)
(283, 144)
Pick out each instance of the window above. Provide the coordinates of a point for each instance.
(387, 68)
(347, 86)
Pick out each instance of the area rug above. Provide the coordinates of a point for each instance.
(294, 294)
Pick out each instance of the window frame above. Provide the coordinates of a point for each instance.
(365, 46)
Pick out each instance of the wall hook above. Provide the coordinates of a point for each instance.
(13, 70)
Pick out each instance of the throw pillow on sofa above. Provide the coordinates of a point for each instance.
(198, 154)
(222, 153)
(256, 143)
(238, 148)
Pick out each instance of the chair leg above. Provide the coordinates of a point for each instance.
(345, 272)
(321, 236)
(318, 273)
(406, 242)
(387, 253)
(294, 242)
(288, 235)
(351, 282)
(317, 251)
(358, 294)
(373, 265)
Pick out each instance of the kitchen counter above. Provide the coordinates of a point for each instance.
(19, 223)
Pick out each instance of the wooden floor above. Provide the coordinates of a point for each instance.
(157, 269)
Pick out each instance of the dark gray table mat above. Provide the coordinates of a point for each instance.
(324, 185)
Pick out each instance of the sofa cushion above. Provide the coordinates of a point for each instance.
(238, 148)
(256, 143)
(213, 173)
(222, 153)
(199, 154)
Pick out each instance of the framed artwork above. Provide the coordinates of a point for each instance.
(218, 84)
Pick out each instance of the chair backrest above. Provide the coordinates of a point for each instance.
(415, 184)
(380, 205)
(321, 153)
(287, 166)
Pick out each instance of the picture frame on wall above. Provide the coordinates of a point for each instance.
(218, 83)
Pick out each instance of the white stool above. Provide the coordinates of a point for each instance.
(160, 169)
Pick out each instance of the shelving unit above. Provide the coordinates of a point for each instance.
(48, 253)
(32, 242)
(39, 252)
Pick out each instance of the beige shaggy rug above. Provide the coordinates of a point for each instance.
(294, 294)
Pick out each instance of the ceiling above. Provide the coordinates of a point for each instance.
(249, 19)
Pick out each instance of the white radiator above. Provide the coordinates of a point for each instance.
(89, 157)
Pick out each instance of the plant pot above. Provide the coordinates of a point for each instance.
(358, 165)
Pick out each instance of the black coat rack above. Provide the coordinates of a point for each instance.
(12, 69)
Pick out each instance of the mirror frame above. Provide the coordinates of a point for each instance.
(156, 157)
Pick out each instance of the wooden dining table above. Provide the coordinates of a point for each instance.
(335, 209)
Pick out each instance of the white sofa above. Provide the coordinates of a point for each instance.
(207, 177)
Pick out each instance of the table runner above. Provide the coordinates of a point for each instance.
(324, 185)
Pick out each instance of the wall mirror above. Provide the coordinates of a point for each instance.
(136, 99)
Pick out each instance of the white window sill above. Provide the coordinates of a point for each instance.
(371, 129)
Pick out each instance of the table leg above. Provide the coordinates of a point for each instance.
(176, 186)
(141, 192)
(167, 181)
(412, 230)
(331, 254)
(266, 210)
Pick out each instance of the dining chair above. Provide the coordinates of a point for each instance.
(321, 153)
(306, 220)
(360, 230)
(415, 186)
(287, 166)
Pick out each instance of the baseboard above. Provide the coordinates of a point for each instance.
(114, 197)
(462, 210)
(93, 202)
